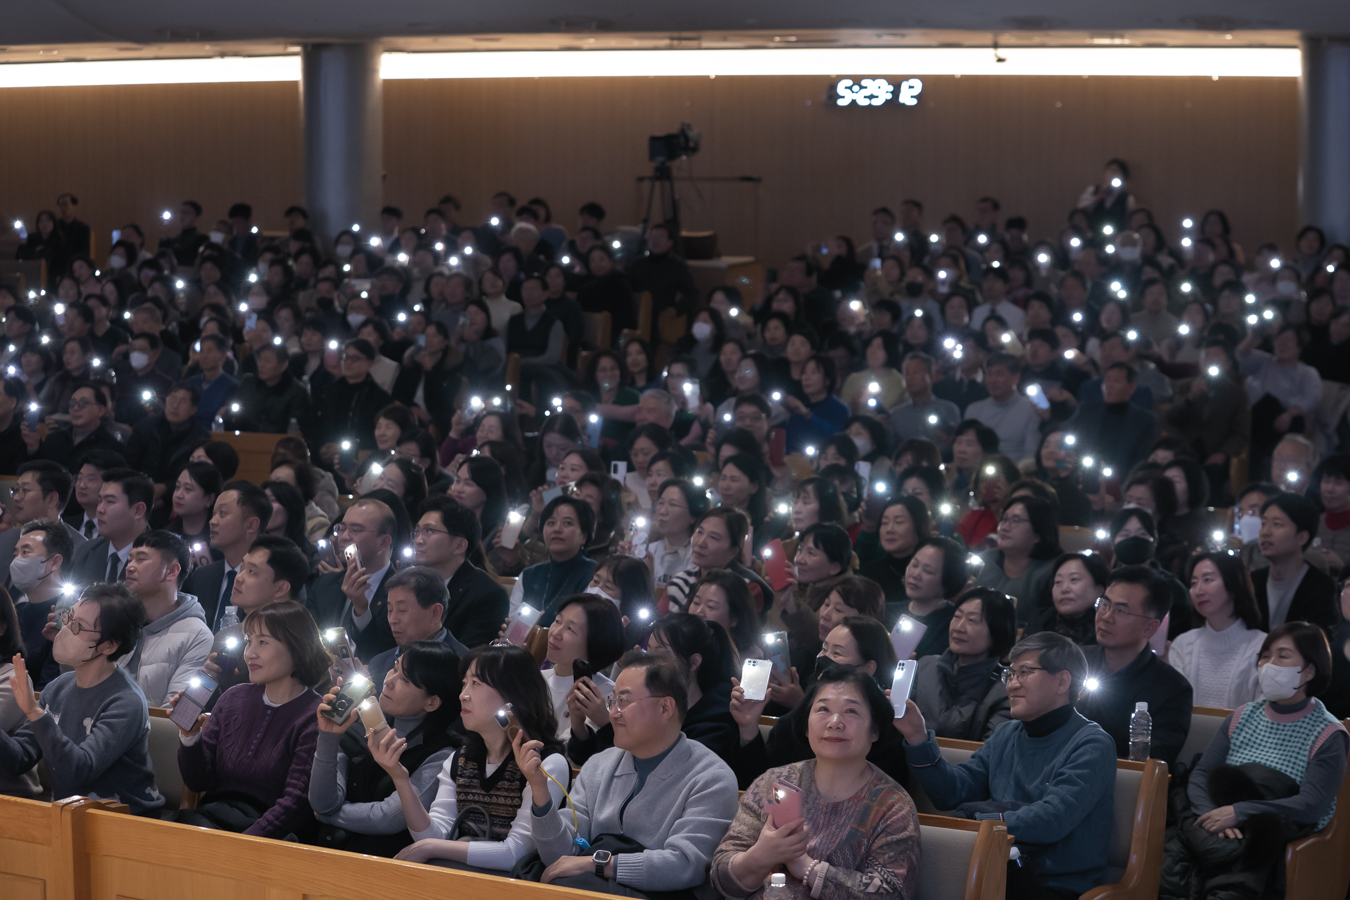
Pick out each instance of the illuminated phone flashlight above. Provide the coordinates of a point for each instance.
(1088, 462)
(374, 242)
(1276, 263)
(874, 388)
(243, 307)
(783, 509)
(1043, 258)
(18, 223)
(252, 277)
(1077, 317)
(726, 417)
(734, 312)
(454, 260)
(1107, 471)
(1268, 314)
(59, 309)
(872, 402)
(1006, 337)
(1131, 335)
(147, 396)
(1075, 242)
(1331, 268)
(855, 305)
(1185, 287)
(1109, 230)
(776, 396)
(918, 314)
(974, 559)
(879, 487)
(949, 343)
(943, 273)
(402, 258)
(616, 245)
(1183, 329)
(439, 246)
(376, 469)
(1092, 684)
(1292, 477)
(166, 215)
(933, 238)
(1186, 242)
(594, 419)
(1070, 440)
(644, 614)
(906, 625)
(197, 547)
(1187, 222)
(407, 552)
(96, 362)
(1252, 319)
(1213, 371)
(180, 283)
(1102, 534)
(1115, 183)
(698, 481)
(1068, 354)
(932, 420)
(497, 401)
(945, 509)
(476, 402)
(1033, 390)
(67, 589)
(810, 451)
(234, 407)
(346, 445)
(126, 314)
(990, 470)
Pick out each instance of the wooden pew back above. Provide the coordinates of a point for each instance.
(963, 860)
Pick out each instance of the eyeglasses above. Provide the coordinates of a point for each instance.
(619, 704)
(80, 403)
(1014, 521)
(69, 621)
(1105, 606)
(353, 357)
(427, 532)
(1020, 674)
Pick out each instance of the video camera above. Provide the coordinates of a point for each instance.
(669, 147)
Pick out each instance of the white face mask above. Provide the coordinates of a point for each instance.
(1286, 288)
(117, 262)
(599, 592)
(1129, 254)
(864, 445)
(1249, 527)
(343, 250)
(355, 320)
(139, 360)
(217, 237)
(701, 331)
(27, 571)
(70, 650)
(1279, 682)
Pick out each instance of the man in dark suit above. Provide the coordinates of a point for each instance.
(446, 534)
(124, 502)
(240, 515)
(416, 608)
(83, 513)
(357, 597)
(1113, 429)
(41, 492)
(1290, 590)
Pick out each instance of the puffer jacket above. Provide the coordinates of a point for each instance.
(171, 650)
(1198, 865)
(970, 718)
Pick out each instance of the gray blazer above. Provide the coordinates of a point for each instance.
(681, 815)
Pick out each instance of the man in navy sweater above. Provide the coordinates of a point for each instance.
(1049, 774)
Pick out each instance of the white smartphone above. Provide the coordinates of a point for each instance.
(515, 520)
(1037, 397)
(1158, 643)
(906, 635)
(755, 678)
(902, 684)
(618, 470)
(863, 468)
(521, 623)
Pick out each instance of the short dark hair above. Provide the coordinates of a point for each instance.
(663, 676)
(458, 519)
(55, 536)
(121, 617)
(287, 562)
(52, 478)
(195, 394)
(585, 515)
(216, 341)
(1000, 615)
(171, 548)
(138, 487)
(1044, 522)
(253, 500)
(292, 624)
(604, 629)
(1237, 581)
(1311, 643)
(240, 211)
(206, 476)
(223, 456)
(1299, 509)
(362, 346)
(862, 594)
(955, 565)
(1159, 599)
(103, 460)
(426, 585)
(837, 673)
(831, 539)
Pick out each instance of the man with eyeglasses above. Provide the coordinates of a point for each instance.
(446, 535)
(671, 795)
(348, 409)
(160, 445)
(357, 596)
(66, 446)
(1124, 670)
(1050, 773)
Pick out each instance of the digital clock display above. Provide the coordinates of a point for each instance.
(876, 92)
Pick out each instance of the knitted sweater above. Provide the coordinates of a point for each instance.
(1055, 792)
(870, 841)
(1220, 665)
(262, 751)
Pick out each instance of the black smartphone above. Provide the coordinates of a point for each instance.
(581, 669)
(34, 414)
(1092, 481)
(195, 697)
(352, 693)
(228, 654)
(347, 456)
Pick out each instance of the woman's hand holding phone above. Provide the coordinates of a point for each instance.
(387, 751)
(788, 693)
(197, 726)
(912, 726)
(590, 702)
(531, 765)
(746, 712)
(781, 846)
(328, 725)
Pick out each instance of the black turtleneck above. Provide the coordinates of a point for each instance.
(1050, 722)
(1118, 409)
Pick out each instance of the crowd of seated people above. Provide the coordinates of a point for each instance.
(505, 625)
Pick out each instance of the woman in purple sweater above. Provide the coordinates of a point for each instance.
(254, 755)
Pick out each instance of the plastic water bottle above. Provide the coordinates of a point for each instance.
(229, 618)
(1141, 732)
(777, 889)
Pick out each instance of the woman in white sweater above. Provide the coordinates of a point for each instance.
(1219, 658)
(588, 629)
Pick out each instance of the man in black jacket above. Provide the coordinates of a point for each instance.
(347, 410)
(188, 241)
(357, 598)
(664, 275)
(141, 386)
(90, 406)
(1119, 433)
(1290, 590)
(1123, 670)
(447, 534)
(160, 445)
(269, 400)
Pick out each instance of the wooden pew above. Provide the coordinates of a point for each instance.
(1205, 723)
(982, 847)
(1134, 859)
(255, 452)
(1317, 867)
(37, 843)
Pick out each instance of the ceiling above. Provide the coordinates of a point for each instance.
(36, 30)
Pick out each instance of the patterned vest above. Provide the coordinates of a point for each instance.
(500, 793)
(1283, 746)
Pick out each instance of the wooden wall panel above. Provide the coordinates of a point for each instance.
(129, 152)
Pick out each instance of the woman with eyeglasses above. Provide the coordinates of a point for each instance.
(961, 691)
(860, 831)
(1027, 544)
(990, 491)
(480, 819)
(90, 726)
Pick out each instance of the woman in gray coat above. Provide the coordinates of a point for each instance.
(960, 692)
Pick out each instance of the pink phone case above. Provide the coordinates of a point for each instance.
(785, 805)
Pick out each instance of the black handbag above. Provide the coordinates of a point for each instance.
(467, 830)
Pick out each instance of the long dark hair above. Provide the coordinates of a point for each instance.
(686, 635)
(566, 426)
(874, 645)
(434, 667)
(512, 672)
(11, 641)
(291, 500)
(488, 474)
(1237, 581)
(745, 631)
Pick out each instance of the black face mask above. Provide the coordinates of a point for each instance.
(1133, 551)
(914, 288)
(852, 502)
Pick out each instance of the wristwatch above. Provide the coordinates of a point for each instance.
(601, 859)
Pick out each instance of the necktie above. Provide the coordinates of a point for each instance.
(114, 562)
(229, 589)
(89, 527)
